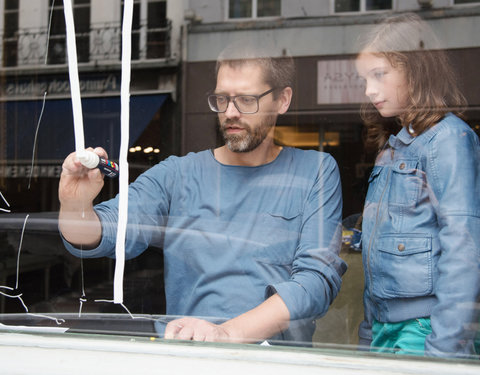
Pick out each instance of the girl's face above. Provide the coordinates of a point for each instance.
(386, 86)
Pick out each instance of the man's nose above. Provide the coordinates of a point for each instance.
(232, 111)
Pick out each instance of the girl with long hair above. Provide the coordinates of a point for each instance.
(421, 220)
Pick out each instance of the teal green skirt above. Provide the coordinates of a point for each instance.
(407, 337)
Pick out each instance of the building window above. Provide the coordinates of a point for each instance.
(342, 6)
(135, 29)
(10, 33)
(157, 30)
(253, 8)
(150, 30)
(57, 45)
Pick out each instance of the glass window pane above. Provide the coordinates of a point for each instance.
(136, 16)
(83, 48)
(268, 8)
(81, 18)
(135, 46)
(157, 45)
(10, 53)
(378, 4)
(11, 4)
(213, 236)
(157, 12)
(10, 34)
(240, 9)
(11, 24)
(135, 30)
(347, 6)
(56, 46)
(57, 25)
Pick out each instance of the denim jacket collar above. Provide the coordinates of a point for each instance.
(403, 137)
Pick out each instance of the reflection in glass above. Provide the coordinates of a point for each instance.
(378, 4)
(240, 9)
(10, 33)
(347, 5)
(422, 191)
(51, 281)
(361, 5)
(268, 8)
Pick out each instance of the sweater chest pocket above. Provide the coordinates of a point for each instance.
(404, 266)
(407, 182)
(278, 230)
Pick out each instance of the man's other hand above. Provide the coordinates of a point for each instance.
(196, 330)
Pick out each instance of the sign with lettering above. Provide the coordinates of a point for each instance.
(339, 83)
(60, 87)
(25, 170)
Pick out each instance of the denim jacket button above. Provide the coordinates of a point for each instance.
(402, 166)
(401, 247)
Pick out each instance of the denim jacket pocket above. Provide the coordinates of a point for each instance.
(404, 266)
(407, 182)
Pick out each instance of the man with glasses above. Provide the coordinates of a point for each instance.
(250, 230)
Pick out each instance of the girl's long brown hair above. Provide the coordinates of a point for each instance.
(409, 44)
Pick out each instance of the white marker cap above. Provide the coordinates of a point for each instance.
(88, 158)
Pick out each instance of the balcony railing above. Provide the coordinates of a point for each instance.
(29, 47)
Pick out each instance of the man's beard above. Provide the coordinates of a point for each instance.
(253, 137)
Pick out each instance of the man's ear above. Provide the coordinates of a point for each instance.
(284, 100)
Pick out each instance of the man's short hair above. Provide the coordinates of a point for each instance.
(278, 68)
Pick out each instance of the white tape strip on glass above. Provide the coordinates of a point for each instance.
(73, 75)
(124, 125)
(123, 163)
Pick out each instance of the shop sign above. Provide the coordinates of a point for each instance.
(26, 171)
(60, 87)
(339, 83)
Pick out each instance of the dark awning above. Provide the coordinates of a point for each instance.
(101, 118)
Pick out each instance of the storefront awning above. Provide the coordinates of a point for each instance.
(101, 118)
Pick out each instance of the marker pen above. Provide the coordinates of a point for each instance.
(91, 160)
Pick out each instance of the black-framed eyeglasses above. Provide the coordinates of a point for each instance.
(247, 104)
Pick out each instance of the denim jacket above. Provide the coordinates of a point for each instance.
(421, 235)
